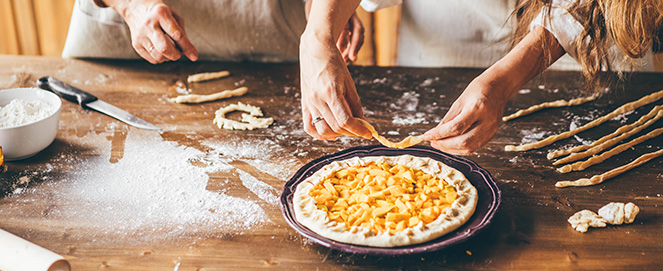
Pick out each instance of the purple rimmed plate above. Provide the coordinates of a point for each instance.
(488, 203)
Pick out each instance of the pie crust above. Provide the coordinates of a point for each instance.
(317, 220)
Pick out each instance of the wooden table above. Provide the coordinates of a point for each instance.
(529, 232)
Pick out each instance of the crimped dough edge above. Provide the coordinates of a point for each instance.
(458, 214)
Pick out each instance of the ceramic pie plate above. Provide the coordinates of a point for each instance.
(488, 203)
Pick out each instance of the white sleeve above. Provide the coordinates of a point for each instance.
(374, 5)
(562, 25)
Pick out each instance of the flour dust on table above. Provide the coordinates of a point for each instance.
(154, 192)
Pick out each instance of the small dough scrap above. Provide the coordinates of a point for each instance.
(613, 213)
(407, 142)
(582, 220)
(617, 213)
(197, 98)
(206, 76)
(250, 121)
(630, 211)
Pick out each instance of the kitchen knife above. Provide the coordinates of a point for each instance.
(89, 101)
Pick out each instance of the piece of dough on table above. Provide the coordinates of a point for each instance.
(250, 121)
(198, 98)
(206, 76)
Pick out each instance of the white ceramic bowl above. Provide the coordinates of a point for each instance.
(23, 141)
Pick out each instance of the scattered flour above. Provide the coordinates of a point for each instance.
(584, 141)
(532, 135)
(19, 112)
(418, 117)
(408, 102)
(429, 81)
(156, 191)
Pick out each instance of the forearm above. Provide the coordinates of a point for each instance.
(327, 19)
(120, 6)
(525, 61)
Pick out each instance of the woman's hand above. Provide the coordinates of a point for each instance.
(471, 121)
(328, 91)
(329, 99)
(474, 117)
(157, 31)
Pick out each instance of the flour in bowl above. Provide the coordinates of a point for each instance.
(19, 112)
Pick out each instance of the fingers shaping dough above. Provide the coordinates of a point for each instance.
(597, 179)
(249, 121)
(609, 143)
(621, 110)
(558, 103)
(407, 142)
(206, 76)
(643, 122)
(616, 150)
(197, 98)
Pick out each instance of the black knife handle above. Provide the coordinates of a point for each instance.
(66, 91)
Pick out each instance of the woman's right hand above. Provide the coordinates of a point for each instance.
(328, 91)
(157, 31)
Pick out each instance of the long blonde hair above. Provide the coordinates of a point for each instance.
(633, 26)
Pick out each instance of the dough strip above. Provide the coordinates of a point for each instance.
(616, 150)
(206, 76)
(197, 98)
(621, 110)
(407, 142)
(626, 133)
(558, 103)
(653, 113)
(597, 179)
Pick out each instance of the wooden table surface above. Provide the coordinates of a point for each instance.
(80, 199)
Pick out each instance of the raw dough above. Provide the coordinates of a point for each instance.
(644, 122)
(308, 214)
(621, 110)
(608, 143)
(558, 103)
(407, 142)
(597, 179)
(582, 220)
(249, 121)
(616, 150)
(617, 213)
(206, 76)
(197, 98)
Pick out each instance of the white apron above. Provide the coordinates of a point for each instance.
(224, 30)
(455, 33)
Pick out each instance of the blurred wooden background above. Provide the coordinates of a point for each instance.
(34, 27)
(39, 27)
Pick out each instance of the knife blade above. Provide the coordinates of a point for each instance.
(89, 101)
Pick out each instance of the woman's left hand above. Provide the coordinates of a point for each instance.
(471, 121)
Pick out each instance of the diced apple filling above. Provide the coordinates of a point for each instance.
(383, 197)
